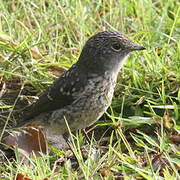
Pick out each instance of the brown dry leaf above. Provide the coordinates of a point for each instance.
(34, 50)
(84, 154)
(105, 171)
(27, 140)
(139, 101)
(33, 23)
(167, 120)
(175, 138)
(172, 79)
(159, 164)
(20, 176)
(5, 37)
(36, 53)
(56, 70)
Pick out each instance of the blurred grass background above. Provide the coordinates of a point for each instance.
(39, 37)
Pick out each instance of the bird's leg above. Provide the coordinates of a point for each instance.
(86, 136)
(66, 138)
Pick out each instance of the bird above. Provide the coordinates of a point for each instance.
(83, 93)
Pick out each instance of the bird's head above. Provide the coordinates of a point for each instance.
(106, 51)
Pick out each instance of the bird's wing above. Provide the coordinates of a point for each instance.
(59, 95)
(51, 100)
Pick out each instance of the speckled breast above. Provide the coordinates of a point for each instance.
(91, 104)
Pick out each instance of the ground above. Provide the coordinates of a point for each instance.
(138, 137)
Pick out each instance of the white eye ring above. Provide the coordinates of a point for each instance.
(116, 46)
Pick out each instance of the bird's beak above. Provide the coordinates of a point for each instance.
(137, 48)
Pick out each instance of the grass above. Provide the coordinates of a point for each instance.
(143, 122)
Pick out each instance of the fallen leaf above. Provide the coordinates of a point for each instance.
(36, 53)
(5, 37)
(172, 79)
(139, 101)
(167, 119)
(56, 70)
(105, 171)
(28, 140)
(175, 138)
(20, 176)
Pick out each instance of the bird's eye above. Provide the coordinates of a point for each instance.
(116, 46)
